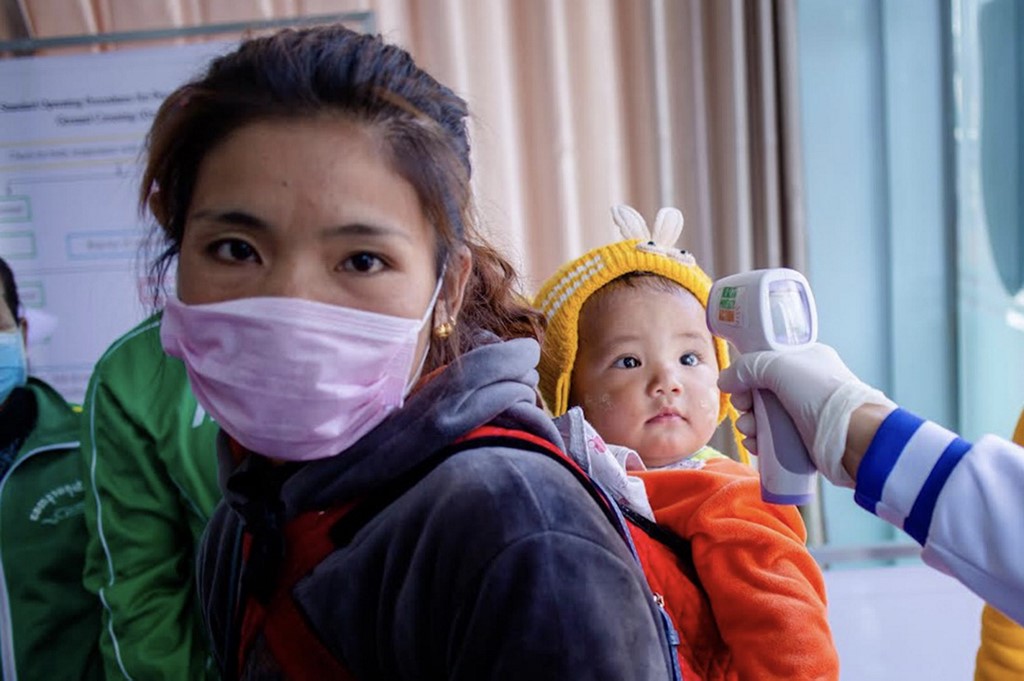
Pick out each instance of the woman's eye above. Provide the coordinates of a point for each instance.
(690, 359)
(234, 250)
(363, 262)
(627, 363)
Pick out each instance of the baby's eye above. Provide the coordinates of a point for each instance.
(234, 250)
(365, 263)
(690, 359)
(627, 362)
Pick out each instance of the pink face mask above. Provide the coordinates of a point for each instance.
(293, 379)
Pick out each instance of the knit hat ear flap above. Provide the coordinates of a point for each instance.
(562, 296)
(725, 408)
(561, 393)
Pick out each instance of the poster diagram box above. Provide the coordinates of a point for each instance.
(32, 293)
(17, 245)
(15, 209)
(109, 245)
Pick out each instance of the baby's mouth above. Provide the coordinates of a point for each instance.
(665, 415)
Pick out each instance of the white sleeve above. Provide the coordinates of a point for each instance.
(964, 503)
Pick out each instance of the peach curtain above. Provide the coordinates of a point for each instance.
(578, 104)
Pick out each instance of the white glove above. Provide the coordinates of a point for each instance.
(815, 387)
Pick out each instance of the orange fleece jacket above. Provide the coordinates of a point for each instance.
(762, 587)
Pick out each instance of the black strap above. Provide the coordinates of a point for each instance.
(263, 514)
(680, 546)
(229, 663)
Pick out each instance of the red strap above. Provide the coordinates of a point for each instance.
(651, 553)
(596, 492)
(297, 649)
(495, 431)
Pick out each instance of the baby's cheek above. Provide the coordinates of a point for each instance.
(708, 403)
(601, 402)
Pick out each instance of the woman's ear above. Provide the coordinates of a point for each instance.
(460, 265)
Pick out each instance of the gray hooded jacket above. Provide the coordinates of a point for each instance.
(495, 565)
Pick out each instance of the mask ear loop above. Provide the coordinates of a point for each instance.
(423, 320)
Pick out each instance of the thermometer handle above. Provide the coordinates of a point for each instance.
(787, 474)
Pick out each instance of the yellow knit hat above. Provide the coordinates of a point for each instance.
(562, 296)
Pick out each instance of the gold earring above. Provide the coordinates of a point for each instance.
(442, 331)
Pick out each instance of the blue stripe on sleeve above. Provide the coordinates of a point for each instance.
(920, 517)
(885, 448)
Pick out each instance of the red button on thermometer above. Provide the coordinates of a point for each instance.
(770, 309)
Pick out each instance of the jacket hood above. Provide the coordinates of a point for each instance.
(495, 383)
(57, 421)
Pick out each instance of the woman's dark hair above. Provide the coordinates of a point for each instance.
(10, 289)
(331, 70)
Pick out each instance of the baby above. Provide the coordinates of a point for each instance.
(627, 341)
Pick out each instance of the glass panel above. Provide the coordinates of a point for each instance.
(988, 86)
(876, 117)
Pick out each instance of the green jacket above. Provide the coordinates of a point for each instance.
(152, 484)
(49, 623)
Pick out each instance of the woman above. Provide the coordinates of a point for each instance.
(49, 624)
(342, 323)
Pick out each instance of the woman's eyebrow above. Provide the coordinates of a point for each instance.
(366, 229)
(233, 217)
(243, 219)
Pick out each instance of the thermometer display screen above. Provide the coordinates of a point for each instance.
(791, 315)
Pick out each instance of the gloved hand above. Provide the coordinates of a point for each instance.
(815, 387)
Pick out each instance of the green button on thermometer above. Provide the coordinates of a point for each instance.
(770, 309)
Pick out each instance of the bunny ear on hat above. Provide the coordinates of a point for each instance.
(668, 225)
(630, 223)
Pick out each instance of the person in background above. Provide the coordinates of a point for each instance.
(1001, 653)
(962, 501)
(49, 623)
(344, 325)
(151, 484)
(627, 341)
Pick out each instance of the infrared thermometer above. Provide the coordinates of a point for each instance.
(770, 309)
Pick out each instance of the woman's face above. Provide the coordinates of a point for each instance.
(307, 209)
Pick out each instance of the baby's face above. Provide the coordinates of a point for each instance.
(646, 374)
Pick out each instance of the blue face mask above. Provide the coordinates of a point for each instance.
(13, 365)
